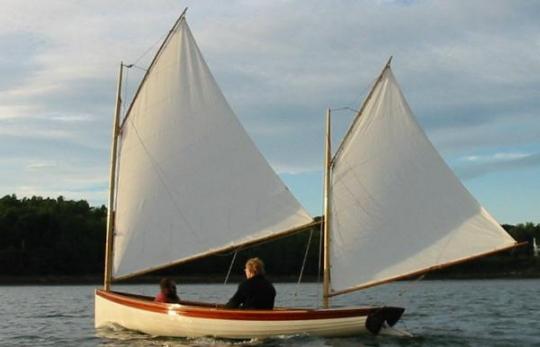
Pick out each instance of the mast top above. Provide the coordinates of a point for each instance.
(163, 44)
(182, 16)
(388, 62)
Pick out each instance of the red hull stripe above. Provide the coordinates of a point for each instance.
(203, 310)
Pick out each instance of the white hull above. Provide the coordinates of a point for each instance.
(136, 313)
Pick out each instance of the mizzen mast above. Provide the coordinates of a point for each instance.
(326, 210)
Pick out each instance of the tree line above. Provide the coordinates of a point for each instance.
(58, 237)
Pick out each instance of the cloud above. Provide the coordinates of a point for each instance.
(482, 165)
(468, 68)
(18, 60)
(73, 179)
(495, 157)
(39, 165)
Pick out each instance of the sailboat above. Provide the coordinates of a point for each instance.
(188, 182)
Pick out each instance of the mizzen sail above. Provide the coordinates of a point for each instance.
(396, 208)
(190, 179)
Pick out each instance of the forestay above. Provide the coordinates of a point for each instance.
(395, 206)
(190, 179)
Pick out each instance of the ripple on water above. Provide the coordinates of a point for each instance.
(438, 313)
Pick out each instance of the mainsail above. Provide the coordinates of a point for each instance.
(191, 181)
(395, 207)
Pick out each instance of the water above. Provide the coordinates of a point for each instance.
(438, 313)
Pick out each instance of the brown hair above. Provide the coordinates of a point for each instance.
(167, 283)
(255, 265)
(168, 289)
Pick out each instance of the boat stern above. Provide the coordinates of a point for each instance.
(383, 316)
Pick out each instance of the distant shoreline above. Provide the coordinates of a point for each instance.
(213, 279)
(98, 279)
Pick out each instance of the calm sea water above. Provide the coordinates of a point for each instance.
(438, 313)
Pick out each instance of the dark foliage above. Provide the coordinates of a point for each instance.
(518, 262)
(43, 236)
(57, 237)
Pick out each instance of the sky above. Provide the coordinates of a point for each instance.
(470, 71)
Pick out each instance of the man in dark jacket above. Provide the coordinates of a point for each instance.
(256, 292)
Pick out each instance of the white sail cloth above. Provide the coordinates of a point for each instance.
(395, 206)
(190, 179)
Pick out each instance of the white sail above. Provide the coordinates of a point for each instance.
(190, 179)
(395, 206)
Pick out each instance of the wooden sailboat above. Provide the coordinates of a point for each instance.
(188, 182)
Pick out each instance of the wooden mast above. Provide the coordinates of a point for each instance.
(112, 184)
(328, 159)
(326, 214)
(117, 126)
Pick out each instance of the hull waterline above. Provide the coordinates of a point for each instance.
(190, 319)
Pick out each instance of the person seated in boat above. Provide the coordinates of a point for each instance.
(256, 292)
(168, 292)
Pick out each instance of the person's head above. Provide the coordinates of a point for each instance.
(168, 287)
(254, 266)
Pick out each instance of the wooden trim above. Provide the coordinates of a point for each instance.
(423, 271)
(359, 114)
(295, 230)
(203, 310)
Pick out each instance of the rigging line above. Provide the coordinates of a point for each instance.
(150, 48)
(123, 99)
(371, 88)
(348, 108)
(230, 267)
(265, 241)
(226, 254)
(408, 286)
(344, 108)
(303, 263)
(400, 299)
(139, 67)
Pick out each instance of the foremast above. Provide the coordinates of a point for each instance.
(117, 126)
(112, 184)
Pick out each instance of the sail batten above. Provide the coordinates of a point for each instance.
(190, 179)
(397, 208)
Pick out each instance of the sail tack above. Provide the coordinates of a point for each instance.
(396, 208)
(190, 180)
